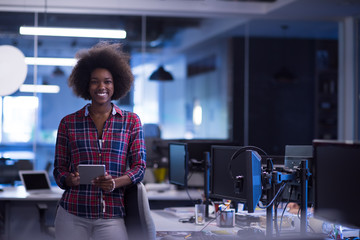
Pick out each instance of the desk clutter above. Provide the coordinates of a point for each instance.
(182, 225)
(205, 235)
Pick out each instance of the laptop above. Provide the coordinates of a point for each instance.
(35, 182)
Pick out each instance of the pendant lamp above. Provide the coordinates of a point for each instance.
(161, 75)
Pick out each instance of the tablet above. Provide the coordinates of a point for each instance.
(88, 172)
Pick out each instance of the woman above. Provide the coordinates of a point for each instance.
(99, 133)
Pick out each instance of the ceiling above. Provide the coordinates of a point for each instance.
(159, 30)
(156, 24)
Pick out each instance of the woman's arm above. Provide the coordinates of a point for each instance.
(64, 175)
(136, 155)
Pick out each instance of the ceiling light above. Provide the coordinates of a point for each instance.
(39, 88)
(161, 75)
(197, 113)
(50, 61)
(73, 32)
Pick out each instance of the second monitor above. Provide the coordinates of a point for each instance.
(178, 164)
(236, 175)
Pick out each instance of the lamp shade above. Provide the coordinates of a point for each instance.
(13, 69)
(161, 75)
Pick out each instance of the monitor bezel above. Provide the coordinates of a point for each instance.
(249, 198)
(318, 209)
(184, 183)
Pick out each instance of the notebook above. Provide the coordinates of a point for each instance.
(35, 182)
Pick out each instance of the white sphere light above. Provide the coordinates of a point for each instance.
(13, 69)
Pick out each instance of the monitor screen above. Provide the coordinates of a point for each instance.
(35, 180)
(178, 164)
(336, 179)
(197, 148)
(224, 185)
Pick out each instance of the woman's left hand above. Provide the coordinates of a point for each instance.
(106, 183)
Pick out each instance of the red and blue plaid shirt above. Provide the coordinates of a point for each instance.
(122, 151)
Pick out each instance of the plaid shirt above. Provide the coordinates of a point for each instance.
(122, 145)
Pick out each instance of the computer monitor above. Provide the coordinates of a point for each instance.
(9, 169)
(178, 164)
(196, 149)
(198, 170)
(225, 170)
(294, 154)
(336, 175)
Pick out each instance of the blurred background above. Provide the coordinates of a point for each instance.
(250, 72)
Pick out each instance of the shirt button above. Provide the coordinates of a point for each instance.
(99, 154)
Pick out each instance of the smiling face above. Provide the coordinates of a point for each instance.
(101, 86)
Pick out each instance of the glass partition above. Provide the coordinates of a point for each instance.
(226, 86)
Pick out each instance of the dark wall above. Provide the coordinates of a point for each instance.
(281, 112)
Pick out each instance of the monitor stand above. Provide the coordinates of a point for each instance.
(304, 177)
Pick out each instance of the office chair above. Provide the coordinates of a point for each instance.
(24, 164)
(151, 130)
(138, 221)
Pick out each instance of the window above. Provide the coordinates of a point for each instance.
(19, 118)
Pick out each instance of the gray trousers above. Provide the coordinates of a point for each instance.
(71, 227)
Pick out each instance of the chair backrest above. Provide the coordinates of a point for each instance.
(138, 220)
(151, 130)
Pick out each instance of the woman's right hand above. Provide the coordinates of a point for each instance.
(73, 179)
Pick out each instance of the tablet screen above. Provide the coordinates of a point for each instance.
(88, 172)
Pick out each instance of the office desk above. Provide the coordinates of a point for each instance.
(167, 224)
(19, 194)
(20, 213)
(167, 221)
(173, 198)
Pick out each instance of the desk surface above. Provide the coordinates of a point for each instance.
(165, 221)
(19, 193)
(167, 224)
(192, 194)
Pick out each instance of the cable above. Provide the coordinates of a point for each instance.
(276, 195)
(190, 175)
(227, 206)
(307, 222)
(184, 220)
(275, 219)
(272, 163)
(187, 192)
(283, 212)
(276, 204)
(238, 152)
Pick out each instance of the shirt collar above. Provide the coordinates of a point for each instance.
(114, 110)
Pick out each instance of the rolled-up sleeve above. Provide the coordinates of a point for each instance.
(62, 156)
(137, 152)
